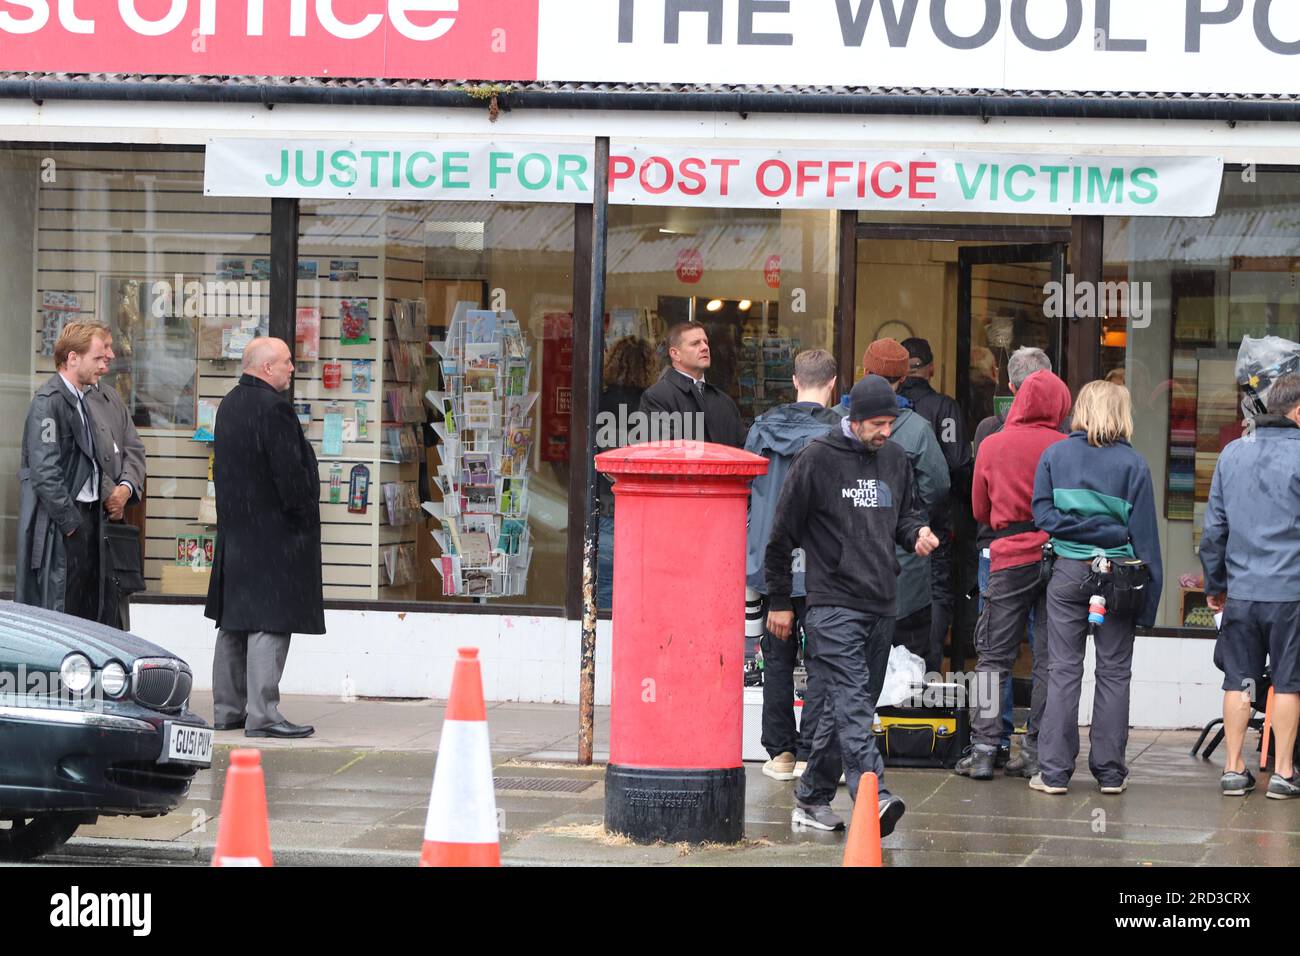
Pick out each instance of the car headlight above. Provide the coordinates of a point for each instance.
(76, 673)
(113, 679)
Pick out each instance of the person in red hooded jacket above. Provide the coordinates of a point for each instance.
(1002, 495)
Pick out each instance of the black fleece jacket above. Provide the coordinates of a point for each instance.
(845, 506)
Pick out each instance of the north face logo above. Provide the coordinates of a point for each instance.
(870, 493)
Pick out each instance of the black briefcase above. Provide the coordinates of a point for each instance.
(124, 567)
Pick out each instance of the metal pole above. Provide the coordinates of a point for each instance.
(595, 367)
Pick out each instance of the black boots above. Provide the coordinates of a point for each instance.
(978, 764)
(1025, 763)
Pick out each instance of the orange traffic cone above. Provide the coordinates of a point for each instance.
(1268, 729)
(244, 836)
(461, 829)
(863, 845)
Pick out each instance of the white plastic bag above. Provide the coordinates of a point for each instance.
(902, 676)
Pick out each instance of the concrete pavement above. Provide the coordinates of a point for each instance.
(357, 793)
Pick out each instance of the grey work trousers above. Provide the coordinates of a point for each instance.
(1013, 593)
(246, 671)
(840, 642)
(1067, 628)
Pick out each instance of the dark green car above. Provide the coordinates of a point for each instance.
(93, 722)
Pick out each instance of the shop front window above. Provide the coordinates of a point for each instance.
(1185, 294)
(127, 238)
(761, 283)
(434, 349)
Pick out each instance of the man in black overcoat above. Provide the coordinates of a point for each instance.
(266, 576)
(682, 406)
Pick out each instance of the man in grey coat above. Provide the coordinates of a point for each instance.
(60, 534)
(122, 473)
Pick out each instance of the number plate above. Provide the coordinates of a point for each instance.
(186, 743)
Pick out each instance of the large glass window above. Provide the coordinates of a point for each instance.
(435, 364)
(1193, 288)
(761, 282)
(127, 238)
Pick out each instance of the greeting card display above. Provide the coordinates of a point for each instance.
(485, 447)
(410, 319)
(401, 503)
(399, 564)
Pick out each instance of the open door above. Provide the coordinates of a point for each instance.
(1000, 297)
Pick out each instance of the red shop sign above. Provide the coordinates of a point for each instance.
(690, 266)
(772, 272)
(406, 39)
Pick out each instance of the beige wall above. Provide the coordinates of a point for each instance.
(914, 282)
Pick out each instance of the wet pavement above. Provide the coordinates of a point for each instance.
(357, 793)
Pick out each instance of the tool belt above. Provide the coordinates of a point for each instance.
(1121, 583)
(1048, 560)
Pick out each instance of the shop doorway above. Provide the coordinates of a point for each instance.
(976, 292)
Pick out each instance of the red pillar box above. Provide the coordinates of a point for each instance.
(675, 770)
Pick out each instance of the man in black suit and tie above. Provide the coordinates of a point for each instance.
(682, 405)
(60, 536)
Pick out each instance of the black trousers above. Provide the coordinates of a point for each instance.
(779, 658)
(81, 593)
(941, 592)
(841, 642)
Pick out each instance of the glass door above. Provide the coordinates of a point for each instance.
(1001, 295)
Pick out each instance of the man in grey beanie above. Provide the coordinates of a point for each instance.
(847, 498)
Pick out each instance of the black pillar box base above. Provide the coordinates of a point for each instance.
(693, 806)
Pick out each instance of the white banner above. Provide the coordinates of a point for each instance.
(436, 169)
(1174, 46)
(900, 180)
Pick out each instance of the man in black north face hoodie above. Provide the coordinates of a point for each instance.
(847, 498)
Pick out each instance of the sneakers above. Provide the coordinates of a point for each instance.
(820, 817)
(1237, 783)
(1036, 783)
(780, 767)
(799, 767)
(1004, 756)
(892, 809)
(978, 764)
(1115, 788)
(1284, 788)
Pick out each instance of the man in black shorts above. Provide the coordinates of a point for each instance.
(1251, 555)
